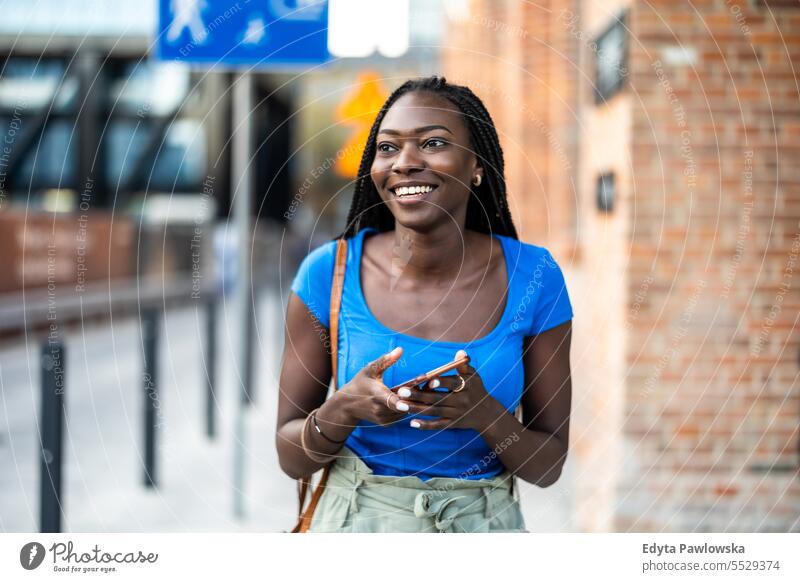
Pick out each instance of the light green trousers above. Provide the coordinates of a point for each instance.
(356, 500)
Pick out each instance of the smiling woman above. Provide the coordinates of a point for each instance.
(433, 269)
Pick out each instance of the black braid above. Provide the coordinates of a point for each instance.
(487, 209)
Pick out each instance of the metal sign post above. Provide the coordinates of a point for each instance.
(240, 186)
(263, 36)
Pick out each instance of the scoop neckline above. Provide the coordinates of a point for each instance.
(359, 253)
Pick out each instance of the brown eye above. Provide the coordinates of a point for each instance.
(382, 147)
(435, 142)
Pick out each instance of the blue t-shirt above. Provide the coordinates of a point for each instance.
(537, 301)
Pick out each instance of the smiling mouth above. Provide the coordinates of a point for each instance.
(412, 191)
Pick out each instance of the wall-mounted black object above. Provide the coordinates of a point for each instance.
(611, 59)
(606, 191)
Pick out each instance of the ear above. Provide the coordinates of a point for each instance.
(477, 171)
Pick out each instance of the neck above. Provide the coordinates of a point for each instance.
(434, 256)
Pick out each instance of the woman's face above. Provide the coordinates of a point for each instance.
(423, 162)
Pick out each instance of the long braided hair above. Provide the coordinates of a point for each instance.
(487, 209)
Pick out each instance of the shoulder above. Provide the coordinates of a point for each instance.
(314, 278)
(322, 253)
(320, 260)
(545, 301)
(530, 261)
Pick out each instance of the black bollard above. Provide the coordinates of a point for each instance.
(211, 365)
(51, 432)
(151, 318)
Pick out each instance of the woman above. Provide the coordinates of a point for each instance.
(434, 268)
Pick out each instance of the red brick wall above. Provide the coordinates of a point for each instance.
(711, 430)
(686, 349)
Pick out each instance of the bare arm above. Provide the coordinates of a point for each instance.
(303, 386)
(538, 455)
(534, 449)
(305, 375)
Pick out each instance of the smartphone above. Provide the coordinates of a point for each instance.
(422, 378)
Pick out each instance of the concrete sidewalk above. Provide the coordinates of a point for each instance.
(103, 488)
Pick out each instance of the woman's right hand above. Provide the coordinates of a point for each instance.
(366, 397)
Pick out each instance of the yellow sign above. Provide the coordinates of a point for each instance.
(359, 110)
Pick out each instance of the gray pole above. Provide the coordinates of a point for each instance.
(151, 318)
(51, 434)
(211, 364)
(241, 187)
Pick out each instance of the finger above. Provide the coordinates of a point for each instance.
(464, 370)
(424, 396)
(432, 409)
(435, 424)
(435, 384)
(449, 383)
(393, 419)
(376, 368)
(393, 402)
(446, 382)
(385, 407)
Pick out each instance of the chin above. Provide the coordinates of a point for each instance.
(417, 219)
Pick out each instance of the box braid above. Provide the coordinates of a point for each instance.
(487, 209)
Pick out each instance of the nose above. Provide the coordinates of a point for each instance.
(408, 158)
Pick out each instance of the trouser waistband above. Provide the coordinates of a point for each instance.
(349, 467)
(440, 498)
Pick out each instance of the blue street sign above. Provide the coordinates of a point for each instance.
(263, 33)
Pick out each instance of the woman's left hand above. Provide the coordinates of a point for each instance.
(471, 407)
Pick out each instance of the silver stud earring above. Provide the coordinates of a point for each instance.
(477, 180)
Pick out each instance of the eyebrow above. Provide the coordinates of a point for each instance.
(423, 129)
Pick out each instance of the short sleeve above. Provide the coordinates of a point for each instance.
(553, 307)
(313, 281)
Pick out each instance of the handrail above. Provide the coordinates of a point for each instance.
(36, 307)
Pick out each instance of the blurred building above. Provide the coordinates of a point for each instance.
(110, 159)
(92, 123)
(653, 146)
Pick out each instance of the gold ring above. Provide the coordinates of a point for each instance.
(388, 396)
(463, 382)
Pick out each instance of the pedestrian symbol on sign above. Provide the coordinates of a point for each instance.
(186, 14)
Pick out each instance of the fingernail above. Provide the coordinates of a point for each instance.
(395, 351)
(402, 406)
(460, 354)
(404, 393)
(435, 383)
(414, 423)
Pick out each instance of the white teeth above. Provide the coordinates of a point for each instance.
(412, 190)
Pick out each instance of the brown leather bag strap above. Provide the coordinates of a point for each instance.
(302, 488)
(336, 301)
(337, 288)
